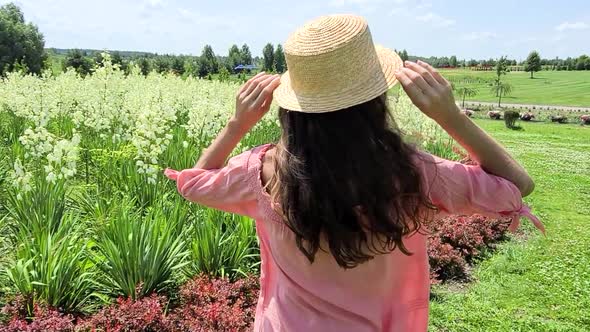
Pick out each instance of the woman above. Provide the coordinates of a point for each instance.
(341, 203)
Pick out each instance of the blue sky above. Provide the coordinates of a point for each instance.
(468, 29)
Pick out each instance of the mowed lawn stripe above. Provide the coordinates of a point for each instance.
(547, 88)
(534, 283)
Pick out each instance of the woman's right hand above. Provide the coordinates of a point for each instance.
(428, 90)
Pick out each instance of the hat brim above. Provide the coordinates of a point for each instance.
(361, 92)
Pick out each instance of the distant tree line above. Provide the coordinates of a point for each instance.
(22, 49)
(580, 63)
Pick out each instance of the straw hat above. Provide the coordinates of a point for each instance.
(333, 65)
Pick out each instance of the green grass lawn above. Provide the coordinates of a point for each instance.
(539, 283)
(565, 88)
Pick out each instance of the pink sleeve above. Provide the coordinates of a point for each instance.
(228, 189)
(455, 188)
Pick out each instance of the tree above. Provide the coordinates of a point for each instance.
(501, 90)
(20, 43)
(583, 63)
(161, 64)
(117, 59)
(268, 55)
(465, 91)
(75, 59)
(501, 69)
(279, 59)
(453, 61)
(177, 65)
(144, 66)
(246, 55)
(403, 55)
(234, 57)
(532, 63)
(98, 59)
(208, 62)
(223, 74)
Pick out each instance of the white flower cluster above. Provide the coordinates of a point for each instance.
(21, 179)
(61, 161)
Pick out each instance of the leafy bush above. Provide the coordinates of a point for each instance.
(133, 249)
(204, 305)
(223, 245)
(510, 118)
(558, 118)
(126, 314)
(216, 305)
(457, 241)
(527, 116)
(495, 115)
(46, 319)
(51, 262)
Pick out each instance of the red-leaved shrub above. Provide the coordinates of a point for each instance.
(456, 241)
(216, 305)
(46, 319)
(145, 314)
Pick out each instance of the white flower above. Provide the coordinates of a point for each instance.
(185, 144)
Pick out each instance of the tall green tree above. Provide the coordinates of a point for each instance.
(21, 43)
(583, 62)
(465, 91)
(77, 60)
(246, 55)
(161, 64)
(453, 61)
(279, 60)
(178, 65)
(501, 69)
(533, 63)
(403, 55)
(268, 57)
(502, 90)
(208, 62)
(144, 66)
(234, 56)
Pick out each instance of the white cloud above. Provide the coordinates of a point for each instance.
(572, 26)
(481, 35)
(155, 3)
(425, 5)
(435, 20)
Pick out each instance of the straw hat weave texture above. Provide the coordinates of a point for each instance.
(333, 64)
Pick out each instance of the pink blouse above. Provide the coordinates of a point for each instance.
(388, 293)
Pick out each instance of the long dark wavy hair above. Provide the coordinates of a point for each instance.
(346, 179)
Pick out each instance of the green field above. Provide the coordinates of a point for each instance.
(564, 88)
(541, 283)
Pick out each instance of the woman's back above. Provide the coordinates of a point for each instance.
(341, 202)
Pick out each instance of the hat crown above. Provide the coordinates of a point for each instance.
(325, 34)
(333, 64)
(330, 54)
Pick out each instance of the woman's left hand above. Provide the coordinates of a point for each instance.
(254, 98)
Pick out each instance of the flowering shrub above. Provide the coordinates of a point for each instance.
(216, 305)
(527, 116)
(457, 241)
(495, 115)
(46, 319)
(204, 304)
(145, 314)
(467, 112)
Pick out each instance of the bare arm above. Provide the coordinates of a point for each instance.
(432, 94)
(252, 102)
